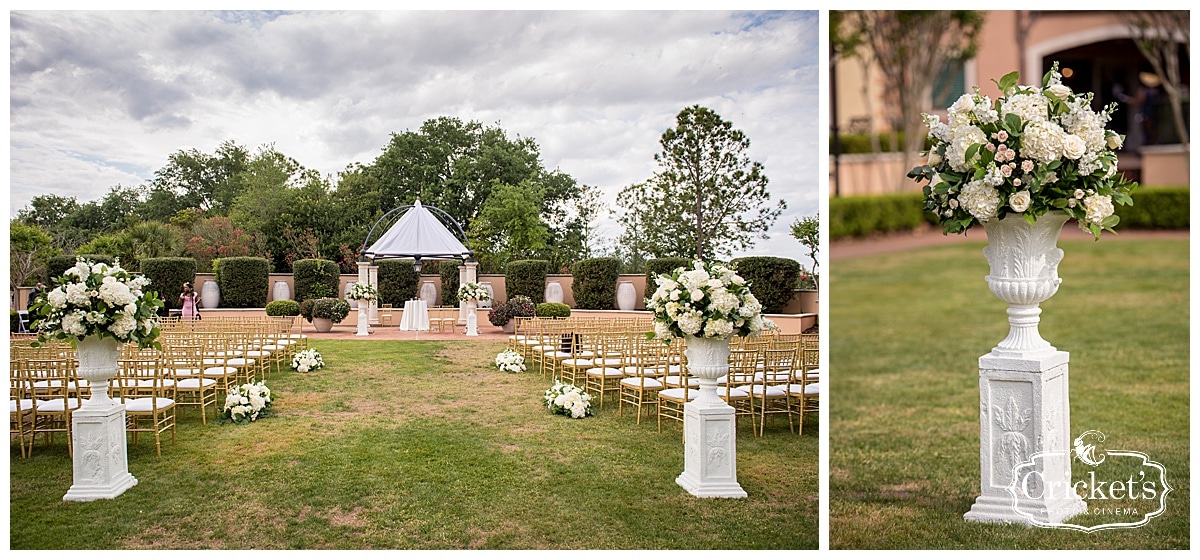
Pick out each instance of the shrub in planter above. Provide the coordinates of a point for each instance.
(398, 282)
(658, 267)
(315, 278)
(333, 309)
(283, 308)
(594, 283)
(57, 265)
(244, 281)
(552, 310)
(771, 279)
(167, 276)
(526, 278)
(519, 306)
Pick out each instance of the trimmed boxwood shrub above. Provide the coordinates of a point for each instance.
(1157, 208)
(167, 275)
(449, 272)
(552, 310)
(283, 308)
(658, 267)
(860, 216)
(58, 265)
(244, 281)
(315, 278)
(771, 279)
(594, 283)
(526, 278)
(398, 282)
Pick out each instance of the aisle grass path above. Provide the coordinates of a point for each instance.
(397, 445)
(906, 331)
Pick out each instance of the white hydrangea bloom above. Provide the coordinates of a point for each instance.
(1030, 107)
(77, 293)
(1098, 207)
(72, 323)
(57, 297)
(980, 200)
(963, 138)
(1043, 141)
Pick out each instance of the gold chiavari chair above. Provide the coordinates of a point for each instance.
(611, 353)
(20, 404)
(769, 394)
(148, 396)
(51, 383)
(743, 368)
(182, 363)
(640, 385)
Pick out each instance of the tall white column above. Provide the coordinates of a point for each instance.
(370, 274)
(467, 272)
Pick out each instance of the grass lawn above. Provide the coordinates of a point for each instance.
(423, 445)
(906, 331)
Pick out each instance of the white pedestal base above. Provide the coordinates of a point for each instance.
(472, 321)
(363, 315)
(710, 450)
(1024, 413)
(101, 466)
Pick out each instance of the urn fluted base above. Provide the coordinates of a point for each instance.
(709, 426)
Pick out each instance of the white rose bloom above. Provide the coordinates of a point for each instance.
(1020, 201)
(1073, 147)
(934, 158)
(1042, 142)
(980, 200)
(1059, 91)
(1114, 141)
(696, 294)
(1098, 207)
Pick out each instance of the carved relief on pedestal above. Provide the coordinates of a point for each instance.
(1012, 447)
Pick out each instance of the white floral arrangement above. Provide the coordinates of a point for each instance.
(308, 360)
(1032, 151)
(363, 291)
(568, 400)
(96, 299)
(247, 403)
(510, 361)
(471, 290)
(707, 301)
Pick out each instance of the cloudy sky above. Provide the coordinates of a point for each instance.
(102, 98)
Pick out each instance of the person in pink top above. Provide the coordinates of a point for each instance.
(189, 300)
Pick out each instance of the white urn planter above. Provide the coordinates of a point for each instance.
(210, 295)
(321, 324)
(472, 320)
(100, 461)
(626, 296)
(429, 294)
(1024, 407)
(554, 292)
(346, 295)
(709, 426)
(281, 291)
(487, 303)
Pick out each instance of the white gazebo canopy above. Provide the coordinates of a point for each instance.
(417, 234)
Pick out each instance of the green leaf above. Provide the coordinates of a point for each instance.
(1111, 221)
(1029, 217)
(972, 150)
(1059, 203)
(1008, 81)
(1054, 165)
(1012, 123)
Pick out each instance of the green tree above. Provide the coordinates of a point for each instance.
(509, 226)
(29, 247)
(708, 198)
(194, 179)
(807, 231)
(152, 240)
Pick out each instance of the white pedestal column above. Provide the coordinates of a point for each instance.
(372, 279)
(467, 272)
(709, 426)
(364, 310)
(472, 321)
(100, 464)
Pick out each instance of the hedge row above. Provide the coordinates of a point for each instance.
(398, 282)
(449, 273)
(243, 281)
(315, 278)
(594, 283)
(860, 216)
(771, 279)
(526, 278)
(167, 276)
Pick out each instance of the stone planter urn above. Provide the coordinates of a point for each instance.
(487, 303)
(510, 327)
(709, 426)
(281, 291)
(428, 293)
(210, 295)
(346, 295)
(554, 292)
(100, 460)
(626, 296)
(1024, 408)
(321, 324)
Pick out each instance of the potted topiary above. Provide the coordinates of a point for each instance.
(503, 314)
(324, 312)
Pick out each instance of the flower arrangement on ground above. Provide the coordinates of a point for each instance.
(471, 290)
(518, 306)
(1032, 151)
(708, 301)
(363, 292)
(96, 299)
(568, 400)
(308, 360)
(247, 403)
(510, 361)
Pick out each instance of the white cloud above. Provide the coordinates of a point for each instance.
(102, 98)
